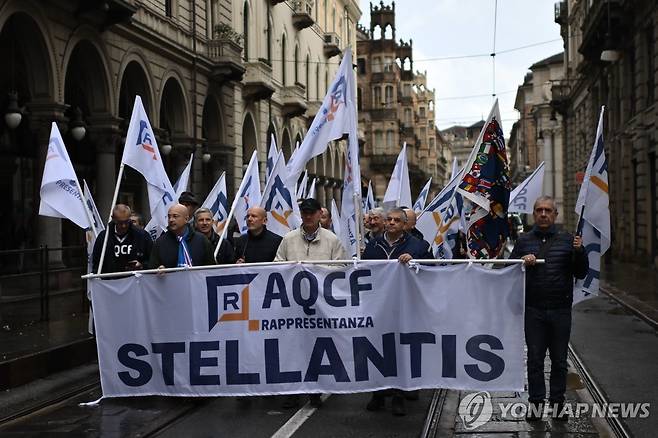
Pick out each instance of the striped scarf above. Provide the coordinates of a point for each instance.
(184, 258)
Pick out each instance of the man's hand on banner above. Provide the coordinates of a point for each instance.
(404, 258)
(529, 260)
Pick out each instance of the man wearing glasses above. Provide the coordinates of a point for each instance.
(128, 247)
(548, 299)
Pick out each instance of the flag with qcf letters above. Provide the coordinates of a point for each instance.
(217, 203)
(485, 188)
(282, 209)
(142, 154)
(271, 157)
(523, 197)
(419, 205)
(248, 194)
(60, 191)
(594, 224)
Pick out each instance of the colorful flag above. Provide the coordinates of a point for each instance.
(282, 209)
(271, 157)
(523, 197)
(61, 194)
(594, 211)
(442, 219)
(142, 154)
(369, 201)
(419, 205)
(331, 121)
(398, 192)
(485, 187)
(248, 195)
(217, 203)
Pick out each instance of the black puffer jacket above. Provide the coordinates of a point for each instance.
(379, 248)
(260, 248)
(550, 285)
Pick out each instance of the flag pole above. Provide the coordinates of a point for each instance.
(358, 221)
(225, 230)
(107, 229)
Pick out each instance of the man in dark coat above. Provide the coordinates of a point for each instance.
(203, 224)
(259, 244)
(180, 245)
(395, 243)
(549, 296)
(128, 247)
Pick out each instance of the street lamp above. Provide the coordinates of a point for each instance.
(78, 125)
(13, 114)
(206, 157)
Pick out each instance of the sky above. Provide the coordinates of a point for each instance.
(455, 28)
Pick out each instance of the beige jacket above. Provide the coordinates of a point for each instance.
(325, 246)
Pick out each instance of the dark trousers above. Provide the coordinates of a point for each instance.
(547, 329)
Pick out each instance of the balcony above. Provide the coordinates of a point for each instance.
(276, 2)
(331, 44)
(258, 81)
(383, 162)
(595, 27)
(385, 76)
(560, 96)
(293, 99)
(302, 14)
(226, 57)
(383, 114)
(561, 12)
(106, 14)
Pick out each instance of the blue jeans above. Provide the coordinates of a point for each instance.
(547, 329)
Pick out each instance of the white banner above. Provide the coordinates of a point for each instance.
(281, 329)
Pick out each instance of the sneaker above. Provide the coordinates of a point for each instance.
(398, 407)
(535, 411)
(291, 401)
(376, 403)
(315, 400)
(559, 413)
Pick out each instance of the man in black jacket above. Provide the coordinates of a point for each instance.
(395, 243)
(259, 244)
(549, 295)
(128, 247)
(180, 245)
(203, 223)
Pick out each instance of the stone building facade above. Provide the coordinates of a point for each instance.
(395, 106)
(461, 140)
(623, 33)
(217, 77)
(537, 135)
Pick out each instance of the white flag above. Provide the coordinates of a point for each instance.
(271, 157)
(301, 190)
(93, 211)
(91, 235)
(335, 218)
(369, 201)
(523, 197)
(142, 154)
(594, 224)
(282, 209)
(442, 219)
(153, 227)
(455, 168)
(351, 221)
(248, 195)
(217, 203)
(398, 192)
(61, 194)
(331, 121)
(419, 205)
(311, 190)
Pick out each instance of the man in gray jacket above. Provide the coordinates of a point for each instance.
(309, 242)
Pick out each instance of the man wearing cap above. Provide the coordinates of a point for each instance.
(190, 201)
(309, 242)
(180, 245)
(259, 244)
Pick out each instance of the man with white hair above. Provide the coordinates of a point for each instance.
(377, 222)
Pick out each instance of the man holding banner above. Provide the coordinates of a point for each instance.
(549, 294)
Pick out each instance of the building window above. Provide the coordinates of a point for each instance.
(317, 81)
(376, 64)
(169, 8)
(407, 116)
(379, 139)
(269, 38)
(377, 93)
(651, 65)
(296, 64)
(245, 28)
(308, 78)
(359, 99)
(407, 90)
(283, 60)
(361, 65)
(388, 63)
(389, 139)
(389, 94)
(422, 112)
